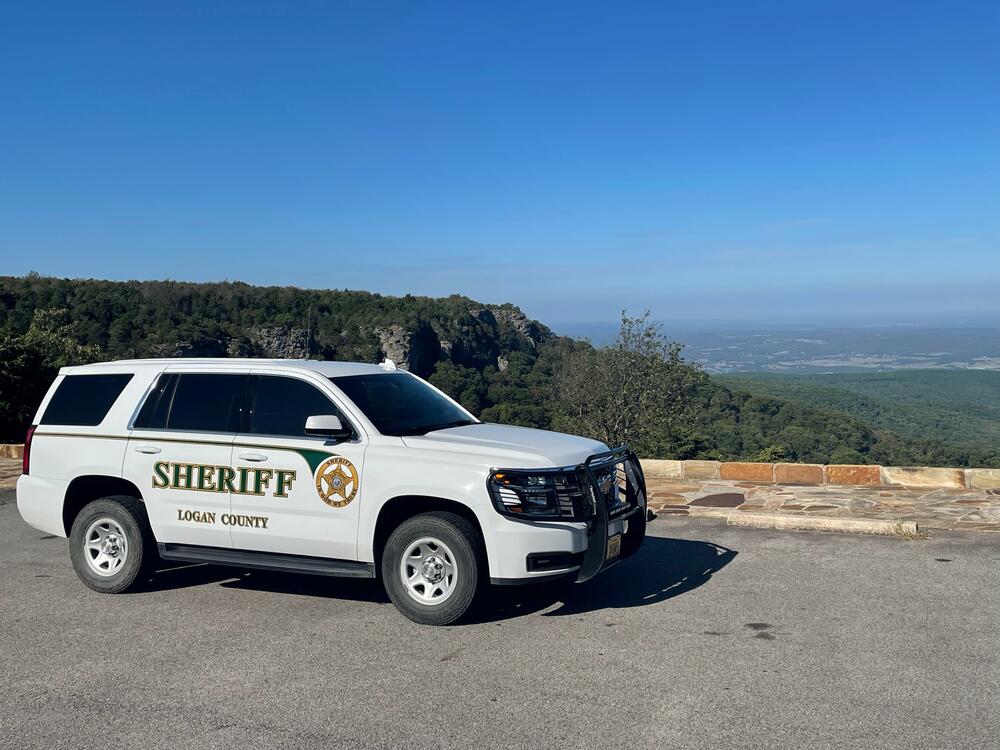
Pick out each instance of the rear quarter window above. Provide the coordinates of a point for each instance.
(84, 400)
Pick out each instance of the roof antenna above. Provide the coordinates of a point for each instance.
(309, 316)
(387, 364)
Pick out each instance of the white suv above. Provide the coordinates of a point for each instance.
(331, 468)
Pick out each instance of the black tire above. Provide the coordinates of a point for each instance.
(140, 547)
(462, 541)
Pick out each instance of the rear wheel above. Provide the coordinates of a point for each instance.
(110, 544)
(431, 567)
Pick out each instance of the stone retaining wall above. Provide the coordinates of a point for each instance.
(847, 474)
(11, 451)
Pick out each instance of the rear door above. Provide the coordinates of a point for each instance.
(180, 454)
(309, 488)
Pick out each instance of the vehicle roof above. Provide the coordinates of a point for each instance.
(326, 369)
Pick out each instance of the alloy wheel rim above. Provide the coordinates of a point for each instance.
(429, 571)
(105, 547)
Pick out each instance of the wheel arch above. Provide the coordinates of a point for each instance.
(89, 487)
(396, 510)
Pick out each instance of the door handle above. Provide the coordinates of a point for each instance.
(252, 456)
(146, 449)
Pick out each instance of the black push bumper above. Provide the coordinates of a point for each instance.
(610, 507)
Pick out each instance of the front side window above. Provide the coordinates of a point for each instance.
(400, 404)
(282, 406)
(205, 402)
(84, 400)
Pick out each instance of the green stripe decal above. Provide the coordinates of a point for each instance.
(313, 458)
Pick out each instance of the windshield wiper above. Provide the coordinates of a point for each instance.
(424, 429)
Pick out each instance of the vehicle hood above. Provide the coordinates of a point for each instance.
(504, 446)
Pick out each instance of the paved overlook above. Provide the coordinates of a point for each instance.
(712, 636)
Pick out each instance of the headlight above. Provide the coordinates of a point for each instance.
(543, 495)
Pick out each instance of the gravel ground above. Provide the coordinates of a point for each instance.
(710, 637)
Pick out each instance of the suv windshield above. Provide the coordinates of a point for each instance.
(400, 404)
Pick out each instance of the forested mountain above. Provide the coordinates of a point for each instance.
(958, 408)
(176, 319)
(499, 363)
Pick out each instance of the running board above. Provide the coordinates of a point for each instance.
(320, 566)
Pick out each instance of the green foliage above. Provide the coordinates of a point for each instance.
(638, 391)
(503, 367)
(943, 417)
(29, 363)
(464, 384)
(771, 454)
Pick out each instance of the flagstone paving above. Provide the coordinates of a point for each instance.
(961, 509)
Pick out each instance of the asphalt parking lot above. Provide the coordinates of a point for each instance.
(710, 637)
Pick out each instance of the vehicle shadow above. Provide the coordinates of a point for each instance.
(183, 575)
(660, 570)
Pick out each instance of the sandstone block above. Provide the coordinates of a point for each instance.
(923, 476)
(658, 467)
(798, 473)
(983, 479)
(11, 451)
(747, 471)
(852, 474)
(701, 469)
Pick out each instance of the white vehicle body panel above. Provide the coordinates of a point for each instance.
(449, 464)
(163, 504)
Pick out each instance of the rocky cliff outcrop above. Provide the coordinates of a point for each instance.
(533, 331)
(273, 342)
(417, 349)
(182, 319)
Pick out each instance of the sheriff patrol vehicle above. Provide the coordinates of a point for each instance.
(332, 468)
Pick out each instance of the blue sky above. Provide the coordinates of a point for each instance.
(713, 162)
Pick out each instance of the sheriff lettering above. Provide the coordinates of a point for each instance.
(241, 480)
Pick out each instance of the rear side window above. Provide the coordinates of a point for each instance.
(204, 402)
(283, 404)
(194, 401)
(84, 400)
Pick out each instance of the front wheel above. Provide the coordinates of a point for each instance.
(431, 567)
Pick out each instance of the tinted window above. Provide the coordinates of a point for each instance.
(84, 400)
(400, 404)
(282, 405)
(206, 402)
(153, 414)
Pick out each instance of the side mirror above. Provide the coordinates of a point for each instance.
(327, 425)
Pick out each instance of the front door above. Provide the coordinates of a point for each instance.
(180, 454)
(306, 489)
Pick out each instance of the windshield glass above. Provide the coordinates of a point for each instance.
(400, 404)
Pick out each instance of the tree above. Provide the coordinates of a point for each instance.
(463, 384)
(54, 336)
(638, 391)
(29, 363)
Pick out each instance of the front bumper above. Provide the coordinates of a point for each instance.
(536, 551)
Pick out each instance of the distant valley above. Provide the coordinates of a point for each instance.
(815, 349)
(845, 350)
(957, 407)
